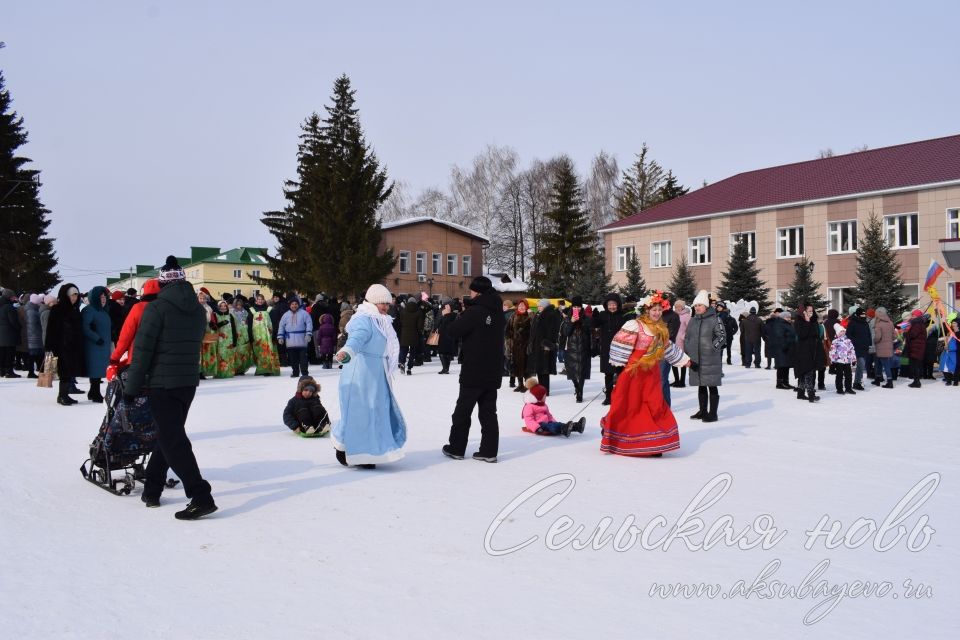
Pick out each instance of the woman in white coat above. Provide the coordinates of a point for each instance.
(371, 429)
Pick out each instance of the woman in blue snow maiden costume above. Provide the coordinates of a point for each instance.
(371, 429)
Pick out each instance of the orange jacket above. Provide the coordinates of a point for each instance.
(132, 323)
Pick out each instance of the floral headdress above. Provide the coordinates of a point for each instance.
(654, 298)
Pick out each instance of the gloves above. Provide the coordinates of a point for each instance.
(280, 340)
(111, 372)
(114, 363)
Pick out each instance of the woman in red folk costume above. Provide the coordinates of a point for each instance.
(640, 422)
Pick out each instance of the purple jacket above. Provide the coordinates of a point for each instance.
(326, 336)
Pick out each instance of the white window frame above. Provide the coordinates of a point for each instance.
(436, 264)
(913, 295)
(891, 224)
(451, 264)
(255, 293)
(783, 242)
(623, 253)
(237, 292)
(751, 242)
(835, 296)
(256, 274)
(658, 250)
(953, 223)
(421, 262)
(952, 294)
(778, 297)
(837, 234)
(698, 254)
(237, 274)
(403, 261)
(466, 265)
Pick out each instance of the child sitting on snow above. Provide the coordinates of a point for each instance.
(842, 355)
(537, 417)
(304, 414)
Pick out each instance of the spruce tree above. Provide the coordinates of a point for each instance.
(591, 282)
(804, 289)
(683, 286)
(640, 187)
(27, 259)
(329, 233)
(671, 189)
(879, 280)
(635, 287)
(741, 280)
(567, 241)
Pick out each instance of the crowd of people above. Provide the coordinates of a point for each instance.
(639, 345)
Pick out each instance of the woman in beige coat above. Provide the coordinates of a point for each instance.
(883, 335)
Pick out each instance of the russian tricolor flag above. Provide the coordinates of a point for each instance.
(932, 274)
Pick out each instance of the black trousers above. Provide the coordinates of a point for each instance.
(486, 402)
(6, 359)
(174, 451)
(783, 376)
(312, 416)
(680, 375)
(298, 360)
(445, 362)
(916, 368)
(543, 377)
(408, 355)
(844, 377)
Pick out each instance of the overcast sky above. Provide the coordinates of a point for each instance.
(160, 125)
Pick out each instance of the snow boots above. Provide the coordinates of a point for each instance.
(94, 394)
(195, 510)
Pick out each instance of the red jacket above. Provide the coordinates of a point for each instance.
(132, 323)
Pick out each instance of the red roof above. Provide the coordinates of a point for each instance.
(904, 165)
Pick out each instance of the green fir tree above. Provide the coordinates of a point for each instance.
(671, 189)
(567, 241)
(591, 282)
(27, 260)
(640, 187)
(635, 286)
(683, 285)
(879, 278)
(328, 235)
(741, 280)
(804, 289)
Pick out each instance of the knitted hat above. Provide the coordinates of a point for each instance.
(116, 295)
(576, 301)
(702, 298)
(171, 271)
(378, 294)
(916, 313)
(537, 390)
(481, 284)
(839, 329)
(206, 291)
(543, 302)
(131, 292)
(151, 287)
(871, 312)
(786, 315)
(36, 298)
(49, 298)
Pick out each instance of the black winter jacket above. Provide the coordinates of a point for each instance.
(609, 323)
(168, 341)
(480, 327)
(9, 324)
(544, 341)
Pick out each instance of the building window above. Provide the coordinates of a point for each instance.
(841, 299)
(912, 291)
(842, 237)
(255, 293)
(467, 265)
(660, 254)
(790, 242)
(699, 250)
(421, 261)
(902, 231)
(781, 294)
(435, 267)
(404, 262)
(623, 257)
(255, 273)
(953, 223)
(237, 292)
(751, 239)
(451, 264)
(236, 274)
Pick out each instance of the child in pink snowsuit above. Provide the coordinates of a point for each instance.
(537, 417)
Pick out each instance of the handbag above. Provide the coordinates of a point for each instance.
(45, 377)
(623, 343)
(434, 339)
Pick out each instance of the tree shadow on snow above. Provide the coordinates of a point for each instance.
(237, 431)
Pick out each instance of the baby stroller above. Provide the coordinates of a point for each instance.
(126, 438)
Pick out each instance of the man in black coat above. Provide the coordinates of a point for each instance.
(858, 331)
(167, 347)
(277, 308)
(751, 330)
(609, 322)
(480, 328)
(544, 343)
(672, 319)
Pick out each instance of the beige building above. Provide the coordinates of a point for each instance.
(220, 272)
(433, 256)
(815, 209)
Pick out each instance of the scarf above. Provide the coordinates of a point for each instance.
(655, 352)
(384, 324)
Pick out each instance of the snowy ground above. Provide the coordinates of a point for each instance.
(302, 547)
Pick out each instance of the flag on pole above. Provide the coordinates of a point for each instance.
(932, 274)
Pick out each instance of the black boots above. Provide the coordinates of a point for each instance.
(801, 394)
(65, 400)
(915, 384)
(711, 415)
(606, 399)
(94, 394)
(341, 457)
(702, 398)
